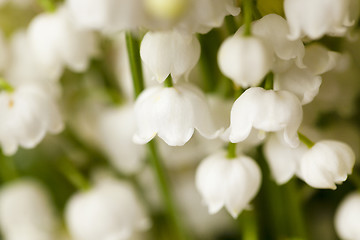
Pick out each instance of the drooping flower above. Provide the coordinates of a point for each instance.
(110, 210)
(245, 60)
(58, 43)
(27, 114)
(282, 159)
(327, 163)
(115, 130)
(311, 18)
(170, 53)
(172, 113)
(266, 110)
(232, 183)
(26, 211)
(347, 217)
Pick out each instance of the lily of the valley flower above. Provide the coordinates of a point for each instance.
(111, 210)
(314, 19)
(266, 110)
(57, 43)
(172, 113)
(282, 159)
(327, 163)
(347, 217)
(27, 114)
(245, 60)
(170, 53)
(232, 183)
(320, 60)
(25, 208)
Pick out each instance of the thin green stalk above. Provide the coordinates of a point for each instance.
(269, 81)
(249, 226)
(168, 82)
(164, 186)
(73, 175)
(294, 211)
(231, 150)
(305, 140)
(133, 48)
(247, 11)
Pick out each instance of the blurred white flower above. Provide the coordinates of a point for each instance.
(26, 212)
(282, 159)
(172, 113)
(232, 183)
(106, 15)
(116, 127)
(166, 9)
(312, 18)
(266, 110)
(170, 53)
(56, 43)
(319, 60)
(347, 217)
(274, 29)
(27, 114)
(327, 163)
(245, 60)
(110, 210)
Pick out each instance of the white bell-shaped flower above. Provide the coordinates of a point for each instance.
(327, 163)
(282, 159)
(299, 81)
(245, 60)
(172, 113)
(274, 29)
(25, 207)
(319, 60)
(115, 130)
(232, 183)
(27, 114)
(170, 53)
(57, 42)
(314, 19)
(110, 210)
(347, 217)
(106, 15)
(266, 110)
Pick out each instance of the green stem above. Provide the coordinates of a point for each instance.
(249, 226)
(269, 81)
(73, 175)
(247, 11)
(231, 150)
(296, 223)
(168, 82)
(165, 189)
(5, 86)
(305, 140)
(133, 48)
(136, 70)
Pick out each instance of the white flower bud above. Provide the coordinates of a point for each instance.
(115, 130)
(266, 110)
(25, 208)
(327, 163)
(316, 18)
(232, 183)
(111, 210)
(27, 114)
(245, 60)
(57, 43)
(347, 217)
(172, 113)
(170, 53)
